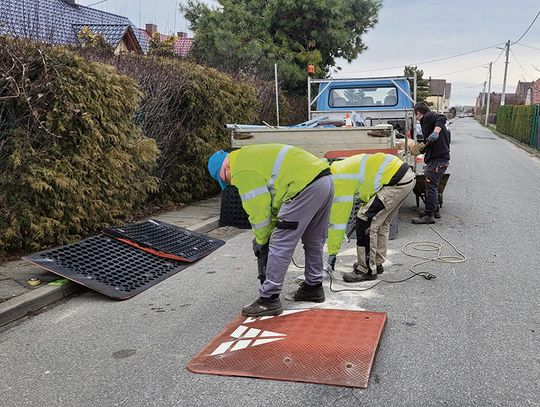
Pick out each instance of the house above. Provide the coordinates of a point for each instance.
(58, 22)
(532, 93)
(181, 46)
(439, 94)
(521, 91)
(494, 102)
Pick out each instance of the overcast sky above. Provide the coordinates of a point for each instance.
(411, 32)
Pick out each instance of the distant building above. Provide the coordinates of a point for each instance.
(58, 22)
(439, 94)
(182, 45)
(521, 91)
(532, 93)
(494, 103)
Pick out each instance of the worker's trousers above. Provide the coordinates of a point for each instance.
(433, 172)
(373, 223)
(304, 217)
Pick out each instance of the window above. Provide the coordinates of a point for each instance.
(363, 97)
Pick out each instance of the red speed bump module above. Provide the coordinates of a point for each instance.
(324, 346)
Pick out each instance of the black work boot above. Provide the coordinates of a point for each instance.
(424, 220)
(306, 292)
(380, 268)
(357, 276)
(263, 307)
(436, 214)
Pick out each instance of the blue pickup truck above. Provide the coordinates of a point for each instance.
(367, 102)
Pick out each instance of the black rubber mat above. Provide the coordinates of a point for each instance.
(166, 240)
(107, 266)
(232, 213)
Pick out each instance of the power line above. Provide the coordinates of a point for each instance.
(521, 66)
(96, 3)
(528, 28)
(467, 87)
(430, 61)
(502, 50)
(461, 70)
(529, 46)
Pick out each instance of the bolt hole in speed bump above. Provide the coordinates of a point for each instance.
(324, 346)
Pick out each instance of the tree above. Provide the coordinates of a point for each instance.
(94, 42)
(422, 87)
(243, 36)
(162, 48)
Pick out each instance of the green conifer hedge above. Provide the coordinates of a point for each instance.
(516, 122)
(72, 159)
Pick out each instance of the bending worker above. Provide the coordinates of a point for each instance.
(436, 157)
(287, 194)
(382, 182)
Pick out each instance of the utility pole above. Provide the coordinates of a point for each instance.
(489, 94)
(277, 94)
(505, 72)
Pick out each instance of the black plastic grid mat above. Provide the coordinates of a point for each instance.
(166, 240)
(232, 213)
(107, 266)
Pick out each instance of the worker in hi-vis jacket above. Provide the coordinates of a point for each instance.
(287, 194)
(382, 182)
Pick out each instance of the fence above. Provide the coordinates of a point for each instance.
(535, 131)
(521, 123)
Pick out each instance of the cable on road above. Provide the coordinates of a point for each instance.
(420, 246)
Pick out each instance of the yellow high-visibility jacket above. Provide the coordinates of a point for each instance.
(266, 175)
(360, 176)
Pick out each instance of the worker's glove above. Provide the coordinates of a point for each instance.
(331, 263)
(433, 137)
(418, 148)
(259, 249)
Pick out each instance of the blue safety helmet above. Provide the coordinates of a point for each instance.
(215, 162)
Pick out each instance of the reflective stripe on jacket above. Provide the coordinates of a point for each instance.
(267, 175)
(360, 176)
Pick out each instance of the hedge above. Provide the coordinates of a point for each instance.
(516, 122)
(80, 132)
(184, 107)
(72, 159)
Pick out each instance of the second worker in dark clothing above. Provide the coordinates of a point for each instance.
(436, 158)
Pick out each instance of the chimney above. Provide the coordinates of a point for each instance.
(181, 34)
(151, 29)
(70, 2)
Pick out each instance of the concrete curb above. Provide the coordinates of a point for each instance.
(525, 147)
(34, 300)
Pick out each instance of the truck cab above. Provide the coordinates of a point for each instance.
(368, 102)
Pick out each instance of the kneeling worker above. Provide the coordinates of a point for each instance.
(287, 194)
(382, 182)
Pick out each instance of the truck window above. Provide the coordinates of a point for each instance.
(363, 96)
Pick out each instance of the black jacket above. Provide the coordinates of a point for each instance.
(441, 148)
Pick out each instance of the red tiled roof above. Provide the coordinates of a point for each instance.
(183, 46)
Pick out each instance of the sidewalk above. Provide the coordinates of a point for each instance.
(18, 298)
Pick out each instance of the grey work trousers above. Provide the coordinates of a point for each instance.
(311, 209)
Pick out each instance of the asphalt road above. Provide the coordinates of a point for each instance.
(467, 338)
